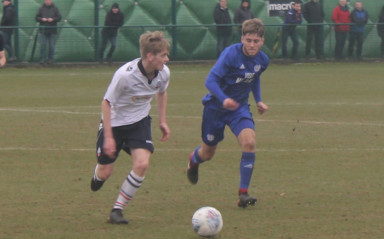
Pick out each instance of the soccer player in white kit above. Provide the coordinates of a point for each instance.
(126, 123)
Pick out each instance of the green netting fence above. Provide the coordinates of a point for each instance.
(188, 23)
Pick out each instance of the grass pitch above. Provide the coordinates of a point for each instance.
(318, 169)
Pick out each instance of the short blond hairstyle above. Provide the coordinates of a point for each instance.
(153, 42)
(253, 26)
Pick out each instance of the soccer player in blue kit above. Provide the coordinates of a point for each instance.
(235, 74)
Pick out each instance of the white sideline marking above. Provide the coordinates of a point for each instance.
(187, 150)
(198, 117)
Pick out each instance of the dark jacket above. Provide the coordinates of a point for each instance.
(221, 16)
(292, 17)
(113, 21)
(1, 43)
(380, 27)
(8, 18)
(48, 12)
(242, 14)
(313, 12)
(359, 18)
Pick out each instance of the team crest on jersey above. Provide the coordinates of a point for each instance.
(129, 68)
(210, 137)
(158, 84)
(257, 68)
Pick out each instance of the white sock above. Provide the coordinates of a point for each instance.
(95, 175)
(128, 190)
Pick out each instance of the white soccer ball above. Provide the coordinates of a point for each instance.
(207, 221)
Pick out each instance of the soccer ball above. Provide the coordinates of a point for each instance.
(207, 221)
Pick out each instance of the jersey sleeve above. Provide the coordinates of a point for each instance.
(167, 78)
(256, 90)
(256, 86)
(114, 89)
(215, 77)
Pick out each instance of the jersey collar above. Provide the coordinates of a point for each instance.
(141, 67)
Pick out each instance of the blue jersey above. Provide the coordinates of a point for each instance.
(234, 76)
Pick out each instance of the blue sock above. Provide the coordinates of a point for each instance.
(196, 158)
(246, 169)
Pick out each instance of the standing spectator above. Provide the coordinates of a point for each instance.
(293, 17)
(242, 13)
(8, 20)
(359, 17)
(313, 13)
(341, 15)
(224, 33)
(48, 16)
(3, 59)
(113, 20)
(380, 30)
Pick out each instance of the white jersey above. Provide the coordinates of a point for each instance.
(130, 93)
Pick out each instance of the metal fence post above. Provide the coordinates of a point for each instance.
(96, 23)
(174, 31)
(16, 23)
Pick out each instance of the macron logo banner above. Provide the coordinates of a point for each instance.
(278, 8)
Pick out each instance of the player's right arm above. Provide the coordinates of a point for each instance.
(109, 146)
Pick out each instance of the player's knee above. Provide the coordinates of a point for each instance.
(141, 167)
(248, 145)
(104, 172)
(207, 155)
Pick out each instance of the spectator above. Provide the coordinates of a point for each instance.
(292, 18)
(242, 13)
(341, 15)
(8, 20)
(48, 16)
(380, 30)
(359, 17)
(224, 33)
(3, 60)
(113, 20)
(313, 13)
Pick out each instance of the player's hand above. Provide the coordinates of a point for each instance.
(109, 147)
(230, 104)
(165, 131)
(50, 19)
(261, 107)
(44, 19)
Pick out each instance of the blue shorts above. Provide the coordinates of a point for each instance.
(214, 121)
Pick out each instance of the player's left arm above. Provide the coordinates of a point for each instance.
(161, 101)
(256, 91)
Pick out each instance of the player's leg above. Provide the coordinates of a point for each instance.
(131, 184)
(246, 140)
(137, 143)
(105, 164)
(199, 155)
(242, 125)
(212, 133)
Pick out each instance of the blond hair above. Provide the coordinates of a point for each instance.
(153, 42)
(253, 26)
